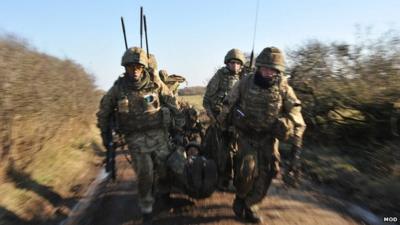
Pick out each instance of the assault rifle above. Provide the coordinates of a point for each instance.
(112, 141)
(110, 154)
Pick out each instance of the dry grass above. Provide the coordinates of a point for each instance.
(47, 108)
(195, 100)
(55, 174)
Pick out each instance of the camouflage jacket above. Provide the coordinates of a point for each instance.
(257, 110)
(138, 108)
(217, 90)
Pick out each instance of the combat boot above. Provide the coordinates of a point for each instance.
(252, 216)
(238, 207)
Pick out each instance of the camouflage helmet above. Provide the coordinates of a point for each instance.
(271, 57)
(234, 54)
(153, 63)
(134, 55)
(163, 75)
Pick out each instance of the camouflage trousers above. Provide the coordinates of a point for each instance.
(221, 148)
(225, 156)
(149, 151)
(255, 165)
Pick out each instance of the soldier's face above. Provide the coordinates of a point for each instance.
(268, 73)
(135, 71)
(235, 66)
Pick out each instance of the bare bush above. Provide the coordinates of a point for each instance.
(38, 94)
(195, 90)
(349, 91)
(351, 99)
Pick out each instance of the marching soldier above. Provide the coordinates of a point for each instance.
(142, 109)
(264, 109)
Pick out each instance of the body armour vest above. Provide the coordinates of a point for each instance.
(138, 110)
(227, 80)
(258, 108)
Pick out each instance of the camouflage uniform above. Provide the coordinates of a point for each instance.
(257, 113)
(172, 81)
(216, 94)
(220, 85)
(193, 129)
(142, 112)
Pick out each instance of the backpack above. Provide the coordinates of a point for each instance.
(202, 177)
(197, 176)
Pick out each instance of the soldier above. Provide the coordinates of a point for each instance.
(264, 108)
(222, 82)
(215, 96)
(193, 129)
(142, 109)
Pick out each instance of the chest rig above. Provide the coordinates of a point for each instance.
(259, 108)
(138, 110)
(225, 85)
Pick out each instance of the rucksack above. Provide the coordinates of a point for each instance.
(202, 177)
(197, 176)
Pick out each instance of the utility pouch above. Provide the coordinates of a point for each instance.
(166, 117)
(123, 105)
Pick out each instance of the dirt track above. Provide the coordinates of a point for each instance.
(119, 206)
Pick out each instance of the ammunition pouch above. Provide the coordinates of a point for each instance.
(129, 123)
(166, 117)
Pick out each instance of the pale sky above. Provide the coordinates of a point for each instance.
(189, 38)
